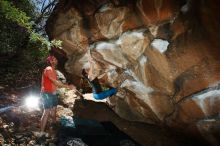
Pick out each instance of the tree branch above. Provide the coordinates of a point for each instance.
(50, 6)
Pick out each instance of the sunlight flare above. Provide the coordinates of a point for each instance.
(32, 102)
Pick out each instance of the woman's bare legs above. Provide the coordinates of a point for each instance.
(44, 119)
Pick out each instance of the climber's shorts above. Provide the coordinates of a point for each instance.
(105, 94)
(49, 100)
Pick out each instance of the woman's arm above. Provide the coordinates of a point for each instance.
(60, 84)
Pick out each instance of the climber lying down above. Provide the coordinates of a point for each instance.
(98, 93)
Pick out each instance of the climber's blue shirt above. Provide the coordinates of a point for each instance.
(98, 93)
(105, 94)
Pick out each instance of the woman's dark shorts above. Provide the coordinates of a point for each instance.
(50, 100)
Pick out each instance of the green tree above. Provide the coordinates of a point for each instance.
(13, 35)
(18, 27)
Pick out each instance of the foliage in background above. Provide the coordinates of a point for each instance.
(11, 34)
(15, 14)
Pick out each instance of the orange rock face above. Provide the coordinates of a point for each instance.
(156, 11)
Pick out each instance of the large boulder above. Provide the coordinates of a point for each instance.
(162, 54)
